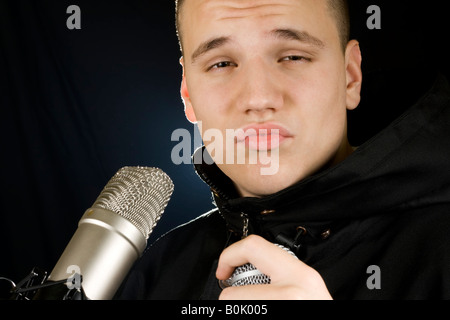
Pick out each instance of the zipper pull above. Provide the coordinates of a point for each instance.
(294, 244)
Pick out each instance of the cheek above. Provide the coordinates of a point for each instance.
(323, 109)
(327, 85)
(323, 94)
(209, 99)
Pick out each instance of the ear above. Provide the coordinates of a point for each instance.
(188, 109)
(353, 60)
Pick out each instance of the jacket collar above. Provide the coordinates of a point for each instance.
(400, 165)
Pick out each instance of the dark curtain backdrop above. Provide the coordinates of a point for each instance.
(77, 105)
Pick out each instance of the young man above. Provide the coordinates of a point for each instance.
(370, 223)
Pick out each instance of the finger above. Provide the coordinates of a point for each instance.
(264, 255)
(274, 292)
(255, 292)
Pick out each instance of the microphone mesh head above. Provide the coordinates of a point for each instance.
(245, 275)
(248, 274)
(139, 194)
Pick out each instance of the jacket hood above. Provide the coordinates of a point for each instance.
(401, 167)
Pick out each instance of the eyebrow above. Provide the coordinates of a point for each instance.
(209, 45)
(297, 35)
(285, 34)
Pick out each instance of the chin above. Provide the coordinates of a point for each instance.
(253, 184)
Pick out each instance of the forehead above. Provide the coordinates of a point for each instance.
(243, 5)
(202, 19)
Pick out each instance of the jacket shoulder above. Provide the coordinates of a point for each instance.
(208, 221)
(177, 265)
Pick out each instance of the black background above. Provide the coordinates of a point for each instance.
(77, 105)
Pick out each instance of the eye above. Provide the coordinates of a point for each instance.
(295, 59)
(222, 65)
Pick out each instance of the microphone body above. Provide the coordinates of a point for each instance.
(102, 251)
(112, 234)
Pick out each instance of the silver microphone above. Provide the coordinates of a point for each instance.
(248, 274)
(113, 233)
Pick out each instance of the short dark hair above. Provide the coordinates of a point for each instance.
(338, 9)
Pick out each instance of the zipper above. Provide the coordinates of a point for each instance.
(244, 217)
(211, 185)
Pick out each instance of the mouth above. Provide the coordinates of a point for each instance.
(262, 137)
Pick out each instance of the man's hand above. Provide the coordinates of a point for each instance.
(291, 279)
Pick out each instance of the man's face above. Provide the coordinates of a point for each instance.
(263, 65)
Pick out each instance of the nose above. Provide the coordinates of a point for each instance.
(260, 92)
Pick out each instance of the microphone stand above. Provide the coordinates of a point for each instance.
(35, 287)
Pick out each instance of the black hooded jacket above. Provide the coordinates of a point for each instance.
(387, 206)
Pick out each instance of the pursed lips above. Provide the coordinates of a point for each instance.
(262, 137)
